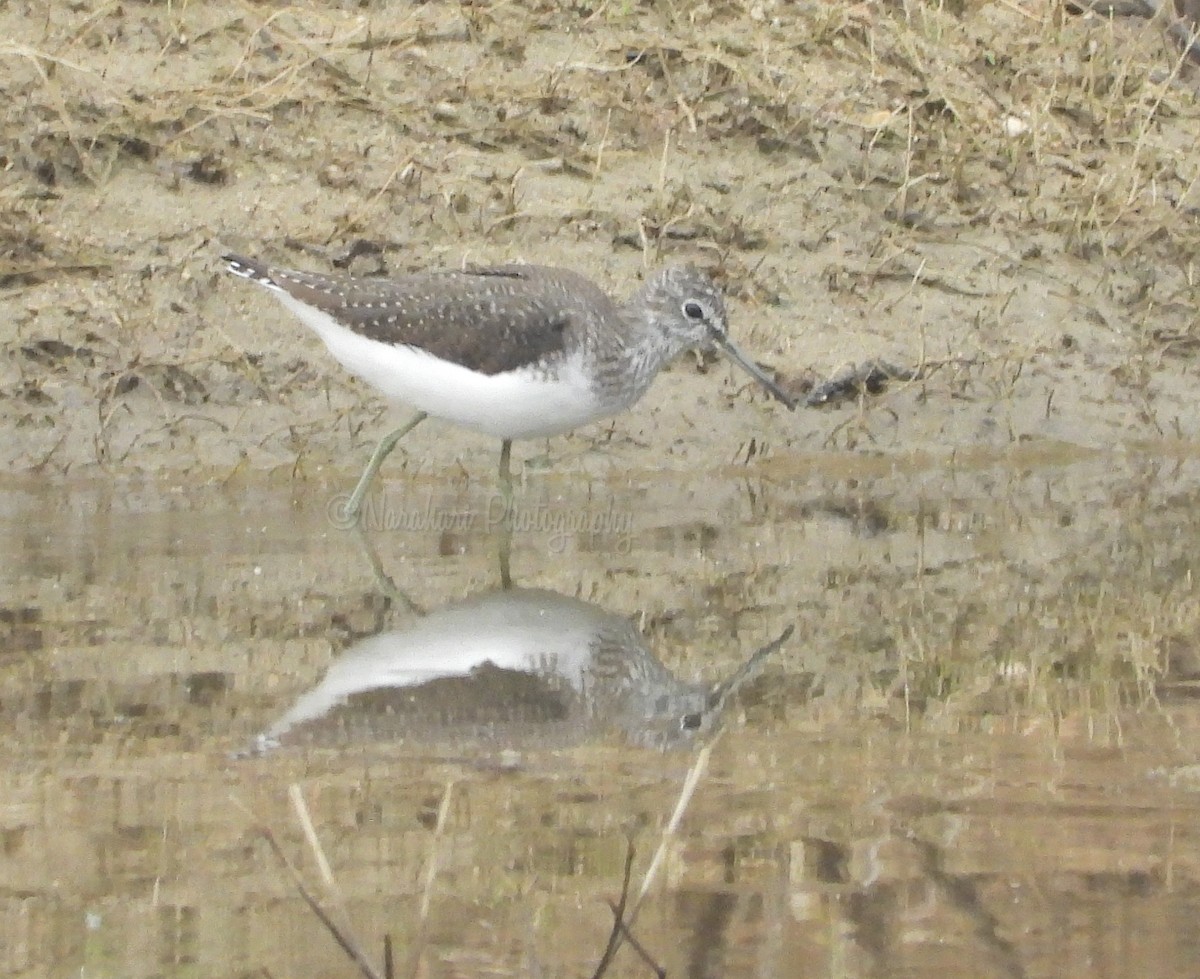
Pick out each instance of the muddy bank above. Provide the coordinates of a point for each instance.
(1017, 218)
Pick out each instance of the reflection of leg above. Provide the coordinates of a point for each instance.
(506, 498)
(385, 583)
(506, 493)
(386, 444)
(506, 557)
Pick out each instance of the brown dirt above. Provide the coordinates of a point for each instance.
(1005, 193)
(976, 756)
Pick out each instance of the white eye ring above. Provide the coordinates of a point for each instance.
(693, 311)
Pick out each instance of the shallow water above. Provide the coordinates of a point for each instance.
(976, 755)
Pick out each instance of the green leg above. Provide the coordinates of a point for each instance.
(386, 586)
(386, 444)
(506, 490)
(506, 497)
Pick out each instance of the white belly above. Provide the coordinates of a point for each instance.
(513, 405)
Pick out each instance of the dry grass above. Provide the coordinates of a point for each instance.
(970, 154)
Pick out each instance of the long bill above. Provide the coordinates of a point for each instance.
(730, 350)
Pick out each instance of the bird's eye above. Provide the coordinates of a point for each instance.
(693, 311)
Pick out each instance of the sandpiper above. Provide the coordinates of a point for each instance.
(513, 351)
(525, 665)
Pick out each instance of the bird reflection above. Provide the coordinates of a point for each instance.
(518, 667)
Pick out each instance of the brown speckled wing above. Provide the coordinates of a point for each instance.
(490, 320)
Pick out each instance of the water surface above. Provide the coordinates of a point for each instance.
(975, 756)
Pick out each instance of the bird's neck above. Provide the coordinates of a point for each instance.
(635, 353)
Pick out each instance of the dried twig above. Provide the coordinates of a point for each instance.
(344, 938)
(431, 872)
(623, 925)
